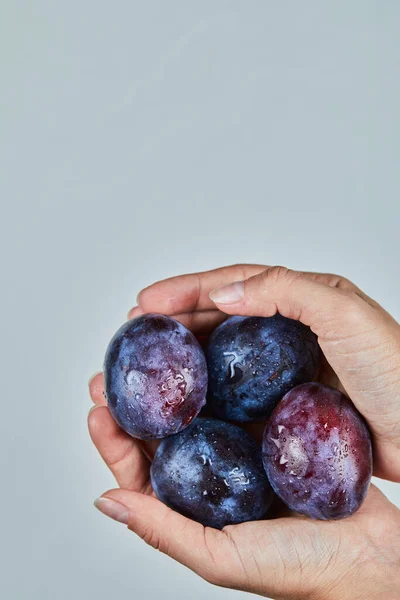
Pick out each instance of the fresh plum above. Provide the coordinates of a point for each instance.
(254, 361)
(212, 472)
(317, 452)
(155, 377)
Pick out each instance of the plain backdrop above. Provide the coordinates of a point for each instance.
(140, 140)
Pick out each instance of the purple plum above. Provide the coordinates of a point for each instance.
(155, 377)
(212, 472)
(254, 361)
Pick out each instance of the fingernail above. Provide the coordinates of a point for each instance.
(228, 294)
(113, 509)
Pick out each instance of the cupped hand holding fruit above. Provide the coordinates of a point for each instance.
(291, 557)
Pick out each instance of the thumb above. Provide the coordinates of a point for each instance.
(202, 549)
(323, 302)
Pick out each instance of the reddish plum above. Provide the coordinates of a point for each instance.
(317, 452)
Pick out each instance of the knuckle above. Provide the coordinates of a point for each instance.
(352, 307)
(277, 274)
(333, 280)
(340, 282)
(344, 282)
(150, 537)
(273, 275)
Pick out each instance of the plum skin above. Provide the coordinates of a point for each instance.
(155, 377)
(212, 472)
(253, 361)
(317, 452)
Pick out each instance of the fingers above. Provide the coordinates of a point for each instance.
(121, 453)
(96, 389)
(186, 295)
(204, 550)
(190, 293)
(136, 311)
(202, 322)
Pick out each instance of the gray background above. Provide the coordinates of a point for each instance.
(145, 139)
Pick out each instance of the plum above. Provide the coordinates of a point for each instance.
(212, 472)
(155, 377)
(253, 361)
(317, 452)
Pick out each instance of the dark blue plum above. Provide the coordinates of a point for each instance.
(254, 361)
(212, 472)
(317, 452)
(155, 377)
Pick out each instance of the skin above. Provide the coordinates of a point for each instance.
(292, 557)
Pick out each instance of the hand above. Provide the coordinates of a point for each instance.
(292, 557)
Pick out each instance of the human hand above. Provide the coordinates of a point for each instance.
(291, 557)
